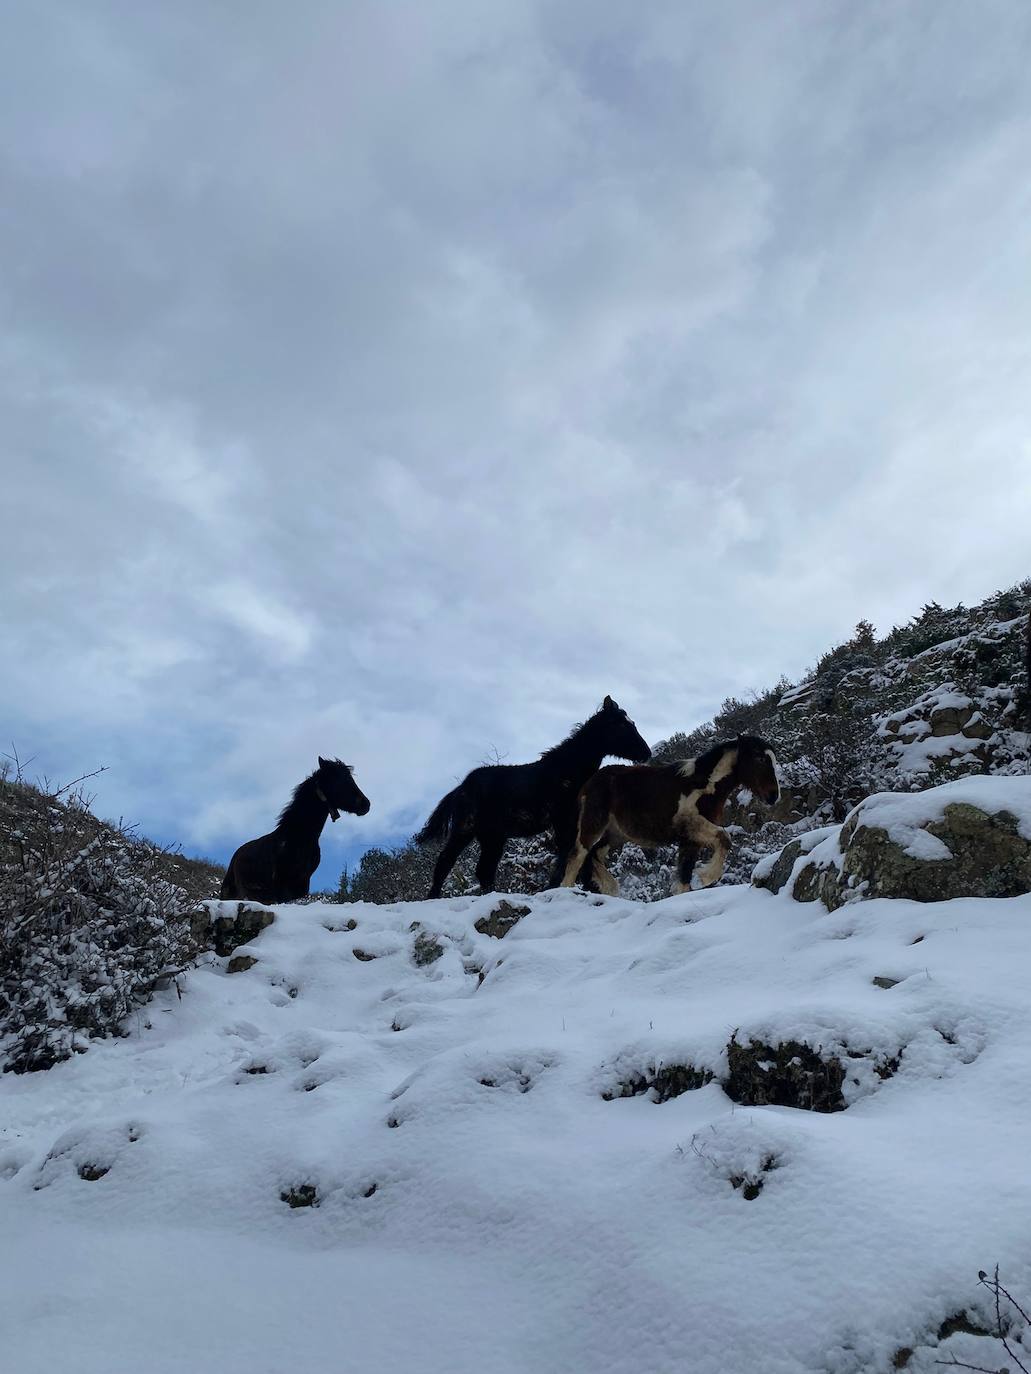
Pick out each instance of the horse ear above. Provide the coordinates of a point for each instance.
(322, 762)
(608, 704)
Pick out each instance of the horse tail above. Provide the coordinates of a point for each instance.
(228, 889)
(450, 812)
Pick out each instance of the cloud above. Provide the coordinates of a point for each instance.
(395, 382)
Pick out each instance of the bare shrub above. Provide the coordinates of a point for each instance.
(1007, 1313)
(840, 758)
(88, 924)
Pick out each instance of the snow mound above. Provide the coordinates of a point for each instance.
(904, 814)
(524, 1154)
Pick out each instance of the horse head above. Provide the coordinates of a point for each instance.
(339, 790)
(620, 734)
(757, 768)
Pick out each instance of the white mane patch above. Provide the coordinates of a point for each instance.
(723, 769)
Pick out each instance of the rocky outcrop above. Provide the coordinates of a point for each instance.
(240, 963)
(970, 838)
(983, 855)
(775, 870)
(939, 714)
(500, 919)
(222, 926)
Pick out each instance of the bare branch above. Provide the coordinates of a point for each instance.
(19, 766)
(76, 782)
(953, 1363)
(493, 758)
(1001, 1332)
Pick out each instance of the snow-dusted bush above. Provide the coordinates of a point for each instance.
(404, 873)
(401, 874)
(87, 925)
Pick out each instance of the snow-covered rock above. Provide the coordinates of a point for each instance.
(223, 926)
(969, 838)
(503, 918)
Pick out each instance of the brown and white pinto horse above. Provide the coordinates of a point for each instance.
(675, 803)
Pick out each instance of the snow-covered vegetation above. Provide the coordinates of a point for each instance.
(91, 919)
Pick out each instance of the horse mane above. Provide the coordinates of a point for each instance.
(700, 763)
(303, 791)
(709, 757)
(575, 733)
(300, 794)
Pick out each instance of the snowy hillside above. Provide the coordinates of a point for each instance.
(439, 1151)
(945, 696)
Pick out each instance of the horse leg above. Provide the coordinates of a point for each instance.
(291, 879)
(491, 846)
(575, 862)
(707, 835)
(603, 879)
(565, 837)
(313, 868)
(446, 860)
(687, 857)
(590, 828)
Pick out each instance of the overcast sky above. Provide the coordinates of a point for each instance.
(395, 380)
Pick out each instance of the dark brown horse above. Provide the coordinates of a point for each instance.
(675, 803)
(497, 802)
(278, 867)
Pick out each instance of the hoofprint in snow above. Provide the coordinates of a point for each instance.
(486, 1200)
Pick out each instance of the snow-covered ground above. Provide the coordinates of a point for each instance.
(482, 1206)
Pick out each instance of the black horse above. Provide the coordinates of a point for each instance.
(501, 801)
(278, 867)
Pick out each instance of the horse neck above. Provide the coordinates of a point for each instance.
(307, 814)
(580, 755)
(721, 789)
